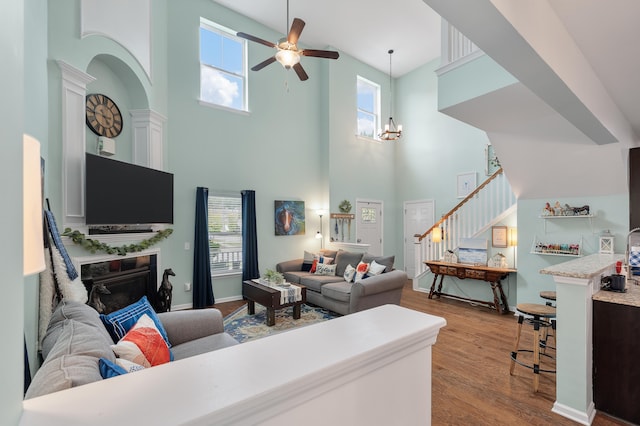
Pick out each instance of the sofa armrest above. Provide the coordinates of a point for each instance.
(184, 326)
(379, 290)
(289, 265)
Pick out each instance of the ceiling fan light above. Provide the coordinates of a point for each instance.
(287, 58)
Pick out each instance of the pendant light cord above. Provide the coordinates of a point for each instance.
(390, 88)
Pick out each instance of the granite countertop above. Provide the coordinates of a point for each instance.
(583, 267)
(631, 297)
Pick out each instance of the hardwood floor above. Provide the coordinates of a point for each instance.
(471, 384)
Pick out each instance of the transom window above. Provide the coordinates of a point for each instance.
(225, 233)
(368, 215)
(368, 107)
(223, 66)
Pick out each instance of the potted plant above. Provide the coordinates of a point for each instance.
(273, 277)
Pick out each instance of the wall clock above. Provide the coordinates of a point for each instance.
(103, 115)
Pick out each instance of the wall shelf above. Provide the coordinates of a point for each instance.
(578, 216)
(556, 249)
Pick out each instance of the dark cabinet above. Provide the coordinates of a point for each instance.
(616, 360)
(634, 188)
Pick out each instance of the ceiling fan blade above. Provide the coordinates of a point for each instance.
(296, 28)
(256, 39)
(264, 64)
(302, 75)
(328, 54)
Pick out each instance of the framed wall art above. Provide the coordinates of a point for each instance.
(289, 217)
(499, 236)
(466, 183)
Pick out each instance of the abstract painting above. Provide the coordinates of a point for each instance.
(289, 217)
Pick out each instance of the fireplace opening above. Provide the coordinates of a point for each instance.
(125, 281)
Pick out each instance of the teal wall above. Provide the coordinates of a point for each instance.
(611, 213)
(434, 149)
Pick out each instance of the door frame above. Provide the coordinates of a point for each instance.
(369, 200)
(404, 225)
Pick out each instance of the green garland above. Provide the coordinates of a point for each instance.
(93, 245)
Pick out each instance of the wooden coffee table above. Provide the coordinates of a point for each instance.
(269, 298)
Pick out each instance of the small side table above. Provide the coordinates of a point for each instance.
(270, 298)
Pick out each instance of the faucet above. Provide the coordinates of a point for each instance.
(628, 252)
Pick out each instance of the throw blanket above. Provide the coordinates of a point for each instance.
(288, 294)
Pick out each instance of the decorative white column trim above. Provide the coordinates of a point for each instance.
(74, 90)
(148, 135)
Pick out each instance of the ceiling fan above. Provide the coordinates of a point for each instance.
(288, 53)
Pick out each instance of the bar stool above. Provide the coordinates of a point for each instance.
(550, 296)
(541, 316)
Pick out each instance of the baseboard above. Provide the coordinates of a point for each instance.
(575, 415)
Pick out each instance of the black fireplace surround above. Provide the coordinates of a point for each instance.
(127, 280)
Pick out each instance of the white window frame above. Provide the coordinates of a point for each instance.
(231, 34)
(218, 258)
(376, 106)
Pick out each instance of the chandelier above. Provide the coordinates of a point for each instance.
(391, 131)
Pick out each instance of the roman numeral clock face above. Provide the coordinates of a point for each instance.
(103, 116)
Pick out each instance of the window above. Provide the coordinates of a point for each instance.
(223, 69)
(368, 108)
(225, 233)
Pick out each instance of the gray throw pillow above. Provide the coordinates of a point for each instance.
(344, 258)
(382, 260)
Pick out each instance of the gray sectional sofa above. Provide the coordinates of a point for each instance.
(333, 292)
(76, 339)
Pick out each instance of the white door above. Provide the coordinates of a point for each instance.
(369, 225)
(418, 217)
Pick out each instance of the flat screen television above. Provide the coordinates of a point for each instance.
(119, 193)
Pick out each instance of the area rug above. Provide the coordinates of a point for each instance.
(244, 327)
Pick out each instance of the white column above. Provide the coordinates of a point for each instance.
(74, 90)
(148, 135)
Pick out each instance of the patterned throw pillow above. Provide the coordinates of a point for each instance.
(324, 269)
(361, 270)
(349, 273)
(319, 259)
(118, 323)
(307, 261)
(121, 366)
(143, 344)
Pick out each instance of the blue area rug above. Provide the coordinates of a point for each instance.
(244, 327)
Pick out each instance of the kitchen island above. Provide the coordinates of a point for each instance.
(576, 282)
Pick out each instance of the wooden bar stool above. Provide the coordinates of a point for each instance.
(549, 296)
(540, 318)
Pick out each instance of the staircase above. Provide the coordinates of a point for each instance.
(487, 205)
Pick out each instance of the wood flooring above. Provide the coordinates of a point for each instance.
(471, 384)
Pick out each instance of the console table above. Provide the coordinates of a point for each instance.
(483, 273)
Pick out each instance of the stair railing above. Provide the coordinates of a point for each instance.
(484, 206)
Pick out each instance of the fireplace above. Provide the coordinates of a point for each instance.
(126, 280)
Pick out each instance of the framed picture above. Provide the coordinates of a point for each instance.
(499, 236)
(289, 217)
(466, 184)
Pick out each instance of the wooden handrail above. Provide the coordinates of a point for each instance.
(460, 204)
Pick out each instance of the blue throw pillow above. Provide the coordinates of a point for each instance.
(118, 323)
(110, 369)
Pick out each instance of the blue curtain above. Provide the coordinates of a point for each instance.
(249, 236)
(202, 288)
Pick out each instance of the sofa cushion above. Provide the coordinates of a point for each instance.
(349, 273)
(344, 258)
(387, 261)
(294, 277)
(339, 291)
(307, 261)
(73, 359)
(315, 282)
(78, 311)
(202, 345)
(118, 323)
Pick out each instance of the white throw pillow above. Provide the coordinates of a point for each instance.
(349, 273)
(376, 268)
(324, 269)
(361, 271)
